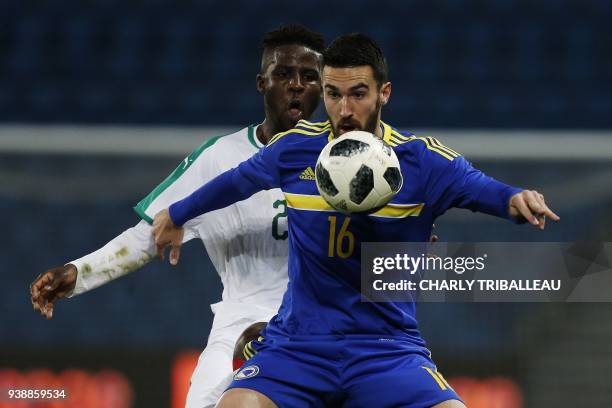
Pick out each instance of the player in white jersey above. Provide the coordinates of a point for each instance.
(246, 242)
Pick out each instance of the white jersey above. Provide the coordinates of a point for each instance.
(246, 243)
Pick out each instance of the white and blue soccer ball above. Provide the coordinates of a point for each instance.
(358, 173)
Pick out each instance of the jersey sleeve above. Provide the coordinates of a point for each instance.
(260, 172)
(451, 181)
(126, 253)
(196, 169)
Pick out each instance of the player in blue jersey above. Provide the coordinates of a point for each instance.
(325, 346)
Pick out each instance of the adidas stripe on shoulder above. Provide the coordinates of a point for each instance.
(431, 143)
(303, 128)
(312, 125)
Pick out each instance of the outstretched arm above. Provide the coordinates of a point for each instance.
(485, 194)
(134, 247)
(124, 254)
(456, 183)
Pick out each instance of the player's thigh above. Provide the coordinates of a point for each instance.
(243, 397)
(213, 368)
(213, 373)
(215, 362)
(410, 381)
(213, 396)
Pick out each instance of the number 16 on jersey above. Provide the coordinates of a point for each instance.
(341, 243)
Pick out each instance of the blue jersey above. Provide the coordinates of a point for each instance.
(323, 295)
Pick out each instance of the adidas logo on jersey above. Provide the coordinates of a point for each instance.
(307, 174)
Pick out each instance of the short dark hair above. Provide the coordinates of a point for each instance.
(293, 34)
(356, 50)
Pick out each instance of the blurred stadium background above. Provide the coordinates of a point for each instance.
(100, 100)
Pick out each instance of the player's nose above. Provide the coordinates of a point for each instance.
(296, 84)
(345, 108)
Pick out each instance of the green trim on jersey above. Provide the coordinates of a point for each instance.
(141, 214)
(251, 135)
(142, 206)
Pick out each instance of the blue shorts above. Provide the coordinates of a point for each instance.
(348, 372)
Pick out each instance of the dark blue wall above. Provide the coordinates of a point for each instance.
(454, 63)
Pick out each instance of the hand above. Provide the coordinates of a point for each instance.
(530, 205)
(167, 234)
(51, 286)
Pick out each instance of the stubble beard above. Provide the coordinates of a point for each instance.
(370, 123)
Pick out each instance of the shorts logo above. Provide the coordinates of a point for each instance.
(247, 372)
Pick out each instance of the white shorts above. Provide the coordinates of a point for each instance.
(213, 373)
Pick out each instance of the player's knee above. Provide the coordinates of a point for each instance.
(243, 397)
(450, 404)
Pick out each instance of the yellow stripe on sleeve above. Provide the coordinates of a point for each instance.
(436, 142)
(431, 143)
(441, 377)
(276, 137)
(402, 137)
(433, 375)
(313, 128)
(319, 126)
(394, 141)
(436, 149)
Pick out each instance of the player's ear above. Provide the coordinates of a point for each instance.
(385, 92)
(260, 83)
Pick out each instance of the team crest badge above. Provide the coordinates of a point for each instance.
(247, 372)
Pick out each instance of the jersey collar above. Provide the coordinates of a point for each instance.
(386, 130)
(252, 135)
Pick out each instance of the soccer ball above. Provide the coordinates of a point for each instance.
(358, 173)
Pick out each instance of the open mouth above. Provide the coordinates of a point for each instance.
(295, 109)
(346, 127)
